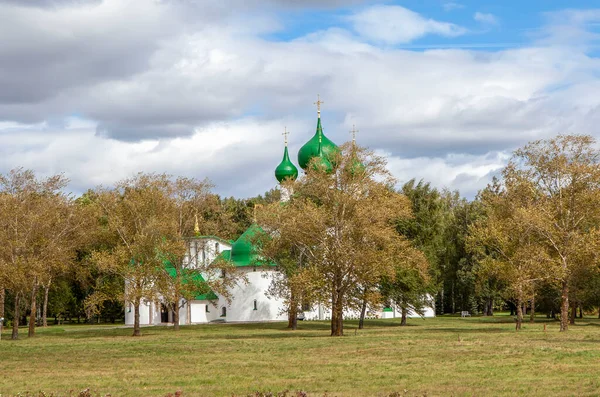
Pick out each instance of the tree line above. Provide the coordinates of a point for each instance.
(347, 238)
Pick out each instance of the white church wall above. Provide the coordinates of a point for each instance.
(242, 306)
(147, 312)
(199, 314)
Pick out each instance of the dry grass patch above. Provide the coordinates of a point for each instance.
(442, 356)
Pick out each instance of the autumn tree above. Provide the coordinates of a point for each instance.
(40, 228)
(506, 245)
(559, 181)
(134, 210)
(187, 276)
(341, 220)
(153, 217)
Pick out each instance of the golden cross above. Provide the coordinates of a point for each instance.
(285, 134)
(353, 132)
(319, 103)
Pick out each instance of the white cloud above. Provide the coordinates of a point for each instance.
(486, 18)
(211, 98)
(451, 6)
(395, 24)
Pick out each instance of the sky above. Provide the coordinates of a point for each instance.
(445, 90)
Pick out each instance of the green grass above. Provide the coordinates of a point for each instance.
(443, 356)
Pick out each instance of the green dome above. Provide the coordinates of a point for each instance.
(286, 169)
(311, 148)
(355, 166)
(243, 251)
(322, 163)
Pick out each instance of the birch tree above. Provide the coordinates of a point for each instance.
(342, 221)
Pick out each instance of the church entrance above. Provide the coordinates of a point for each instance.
(164, 313)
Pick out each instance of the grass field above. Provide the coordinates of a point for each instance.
(434, 357)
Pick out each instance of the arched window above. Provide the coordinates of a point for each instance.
(255, 305)
(216, 248)
(223, 311)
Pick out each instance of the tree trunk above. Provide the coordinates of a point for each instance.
(293, 313)
(337, 315)
(176, 304)
(404, 312)
(2, 299)
(45, 306)
(32, 316)
(293, 317)
(532, 312)
(564, 307)
(573, 312)
(176, 316)
(136, 318)
(15, 325)
(363, 312)
(519, 311)
(490, 306)
(580, 311)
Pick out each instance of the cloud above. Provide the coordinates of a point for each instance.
(485, 18)
(451, 6)
(90, 93)
(569, 27)
(395, 25)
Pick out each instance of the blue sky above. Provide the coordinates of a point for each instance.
(517, 23)
(101, 89)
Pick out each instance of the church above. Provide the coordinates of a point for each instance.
(249, 301)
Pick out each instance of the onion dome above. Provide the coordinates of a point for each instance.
(355, 166)
(243, 252)
(322, 163)
(286, 169)
(311, 148)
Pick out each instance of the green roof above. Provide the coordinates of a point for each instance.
(243, 251)
(388, 309)
(195, 277)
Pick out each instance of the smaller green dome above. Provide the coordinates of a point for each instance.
(243, 252)
(355, 166)
(286, 169)
(322, 163)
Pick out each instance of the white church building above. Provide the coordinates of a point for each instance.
(248, 301)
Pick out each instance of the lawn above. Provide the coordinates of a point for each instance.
(434, 357)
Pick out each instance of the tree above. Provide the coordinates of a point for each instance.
(153, 217)
(410, 288)
(135, 210)
(187, 276)
(562, 179)
(340, 219)
(40, 229)
(508, 249)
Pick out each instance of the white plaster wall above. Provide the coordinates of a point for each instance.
(145, 308)
(202, 251)
(241, 307)
(199, 314)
